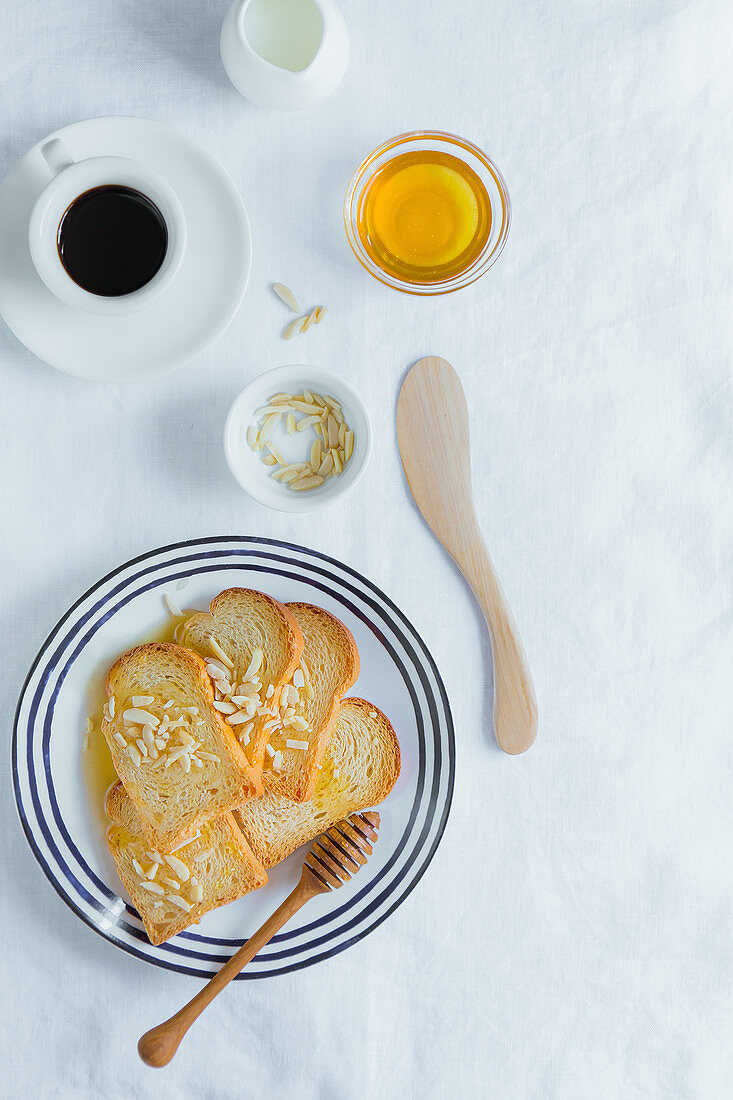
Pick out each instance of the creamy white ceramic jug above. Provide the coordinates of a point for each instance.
(286, 54)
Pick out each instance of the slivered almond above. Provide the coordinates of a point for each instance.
(276, 454)
(184, 843)
(178, 867)
(252, 436)
(306, 407)
(268, 460)
(172, 607)
(175, 900)
(337, 463)
(151, 887)
(137, 716)
(281, 398)
(298, 678)
(320, 314)
(342, 434)
(307, 422)
(255, 664)
(308, 321)
(268, 410)
(237, 719)
(316, 455)
(291, 423)
(333, 431)
(308, 396)
(225, 708)
(197, 893)
(326, 466)
(304, 483)
(290, 330)
(134, 755)
(348, 444)
(286, 295)
(215, 670)
(120, 740)
(220, 652)
(332, 401)
(244, 701)
(171, 757)
(142, 700)
(268, 426)
(210, 756)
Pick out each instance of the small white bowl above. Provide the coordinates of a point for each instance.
(247, 465)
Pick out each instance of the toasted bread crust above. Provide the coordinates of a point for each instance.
(362, 735)
(198, 628)
(299, 782)
(246, 782)
(124, 832)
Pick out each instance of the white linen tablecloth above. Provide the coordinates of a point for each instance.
(572, 937)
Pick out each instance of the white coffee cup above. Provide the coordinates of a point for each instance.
(72, 179)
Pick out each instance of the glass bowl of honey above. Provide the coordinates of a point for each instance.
(427, 213)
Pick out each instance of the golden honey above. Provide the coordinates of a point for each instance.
(424, 216)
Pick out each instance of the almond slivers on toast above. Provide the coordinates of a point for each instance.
(329, 665)
(179, 762)
(252, 645)
(209, 868)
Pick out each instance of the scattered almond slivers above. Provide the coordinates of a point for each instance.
(331, 450)
(286, 295)
(303, 322)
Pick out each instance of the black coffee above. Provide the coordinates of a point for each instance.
(112, 240)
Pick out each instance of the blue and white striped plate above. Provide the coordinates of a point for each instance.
(66, 833)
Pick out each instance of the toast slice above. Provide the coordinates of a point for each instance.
(178, 761)
(171, 892)
(329, 665)
(252, 645)
(360, 768)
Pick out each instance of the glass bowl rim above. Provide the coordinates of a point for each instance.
(481, 264)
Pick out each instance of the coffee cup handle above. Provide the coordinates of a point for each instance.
(56, 156)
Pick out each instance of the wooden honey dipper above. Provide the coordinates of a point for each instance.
(333, 858)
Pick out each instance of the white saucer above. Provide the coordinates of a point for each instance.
(186, 317)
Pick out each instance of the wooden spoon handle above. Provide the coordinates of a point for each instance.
(158, 1045)
(515, 705)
